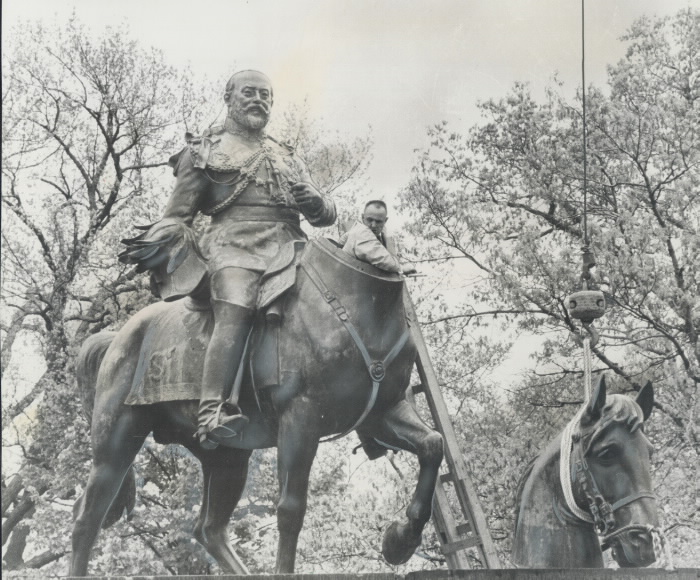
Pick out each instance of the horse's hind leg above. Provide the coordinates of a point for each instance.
(116, 441)
(401, 427)
(297, 443)
(225, 472)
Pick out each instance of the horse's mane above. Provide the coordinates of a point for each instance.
(521, 485)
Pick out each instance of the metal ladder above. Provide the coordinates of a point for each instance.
(463, 534)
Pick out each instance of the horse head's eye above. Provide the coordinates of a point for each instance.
(606, 454)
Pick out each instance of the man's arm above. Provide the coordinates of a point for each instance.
(170, 242)
(366, 247)
(184, 202)
(395, 250)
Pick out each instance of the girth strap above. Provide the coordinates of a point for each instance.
(375, 368)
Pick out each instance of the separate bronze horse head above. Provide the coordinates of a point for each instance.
(592, 480)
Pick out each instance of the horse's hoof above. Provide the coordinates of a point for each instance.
(399, 543)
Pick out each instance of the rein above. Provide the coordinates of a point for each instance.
(375, 368)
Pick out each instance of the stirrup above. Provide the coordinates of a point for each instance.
(220, 428)
(228, 427)
(204, 441)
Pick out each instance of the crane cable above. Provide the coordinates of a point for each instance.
(585, 139)
(586, 305)
(586, 243)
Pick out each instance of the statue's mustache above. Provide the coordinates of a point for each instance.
(258, 108)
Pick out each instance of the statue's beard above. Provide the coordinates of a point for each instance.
(252, 120)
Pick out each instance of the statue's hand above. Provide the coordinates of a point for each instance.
(305, 194)
(168, 240)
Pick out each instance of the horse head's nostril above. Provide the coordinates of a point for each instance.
(640, 537)
(634, 548)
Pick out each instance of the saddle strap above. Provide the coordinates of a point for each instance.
(375, 368)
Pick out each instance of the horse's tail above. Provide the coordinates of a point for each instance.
(87, 366)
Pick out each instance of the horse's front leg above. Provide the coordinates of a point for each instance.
(296, 448)
(225, 472)
(402, 427)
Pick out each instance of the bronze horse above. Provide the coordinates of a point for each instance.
(609, 471)
(345, 359)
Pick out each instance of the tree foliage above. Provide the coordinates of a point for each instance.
(507, 197)
(87, 123)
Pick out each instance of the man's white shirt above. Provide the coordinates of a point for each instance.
(361, 243)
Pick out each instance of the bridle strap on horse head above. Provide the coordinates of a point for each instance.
(598, 507)
(632, 498)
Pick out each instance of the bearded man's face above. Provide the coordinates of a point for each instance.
(250, 101)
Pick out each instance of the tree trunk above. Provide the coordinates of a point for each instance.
(14, 556)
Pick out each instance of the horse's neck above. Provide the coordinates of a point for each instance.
(545, 537)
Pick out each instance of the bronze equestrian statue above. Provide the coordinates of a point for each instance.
(610, 487)
(324, 338)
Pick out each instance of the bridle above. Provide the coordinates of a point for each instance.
(602, 512)
(574, 471)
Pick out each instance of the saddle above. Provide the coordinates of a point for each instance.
(170, 370)
(171, 357)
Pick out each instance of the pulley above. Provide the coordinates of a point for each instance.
(586, 305)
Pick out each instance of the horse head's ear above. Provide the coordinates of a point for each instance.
(597, 402)
(645, 399)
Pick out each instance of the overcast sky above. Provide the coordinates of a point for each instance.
(395, 65)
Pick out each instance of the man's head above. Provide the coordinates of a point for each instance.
(249, 99)
(374, 216)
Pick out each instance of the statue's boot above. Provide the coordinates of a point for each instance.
(219, 418)
(370, 446)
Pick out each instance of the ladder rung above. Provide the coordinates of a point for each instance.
(445, 477)
(419, 388)
(453, 547)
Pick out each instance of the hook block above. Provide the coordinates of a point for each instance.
(586, 305)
